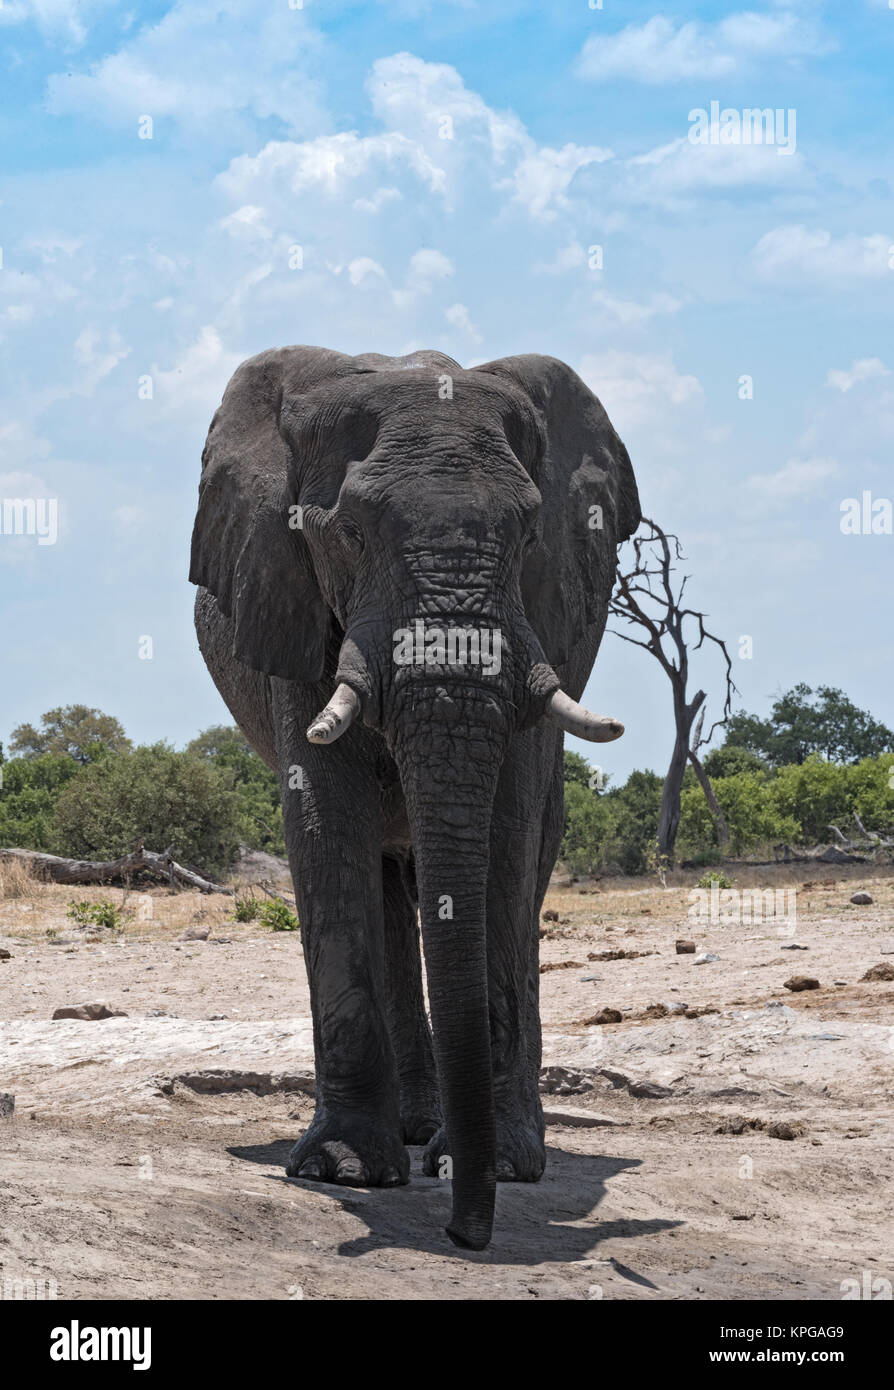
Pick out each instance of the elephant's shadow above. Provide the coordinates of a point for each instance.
(543, 1222)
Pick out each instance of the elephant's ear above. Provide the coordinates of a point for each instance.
(590, 503)
(243, 547)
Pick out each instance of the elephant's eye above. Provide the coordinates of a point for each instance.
(351, 536)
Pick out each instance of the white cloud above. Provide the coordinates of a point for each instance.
(637, 389)
(682, 170)
(247, 223)
(378, 200)
(458, 315)
(863, 369)
(660, 51)
(541, 179)
(796, 253)
(330, 166)
(198, 379)
(797, 478)
(65, 20)
(571, 257)
(430, 104)
(256, 62)
(98, 353)
(363, 266)
(629, 311)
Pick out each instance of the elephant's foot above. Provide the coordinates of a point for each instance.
(521, 1153)
(351, 1151)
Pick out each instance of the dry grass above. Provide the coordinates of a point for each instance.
(19, 880)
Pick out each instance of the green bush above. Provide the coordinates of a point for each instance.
(714, 877)
(155, 794)
(276, 915)
(99, 914)
(246, 909)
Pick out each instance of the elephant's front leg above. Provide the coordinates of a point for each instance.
(333, 832)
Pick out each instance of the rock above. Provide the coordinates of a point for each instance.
(883, 971)
(786, 1129)
(549, 965)
(196, 933)
(4, 954)
(794, 946)
(649, 1090)
(801, 982)
(685, 948)
(7, 1104)
(579, 1119)
(89, 1012)
(604, 1016)
(561, 1081)
(862, 899)
(656, 1011)
(550, 915)
(705, 958)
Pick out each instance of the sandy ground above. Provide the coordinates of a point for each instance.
(119, 1180)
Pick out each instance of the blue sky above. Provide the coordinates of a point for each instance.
(567, 127)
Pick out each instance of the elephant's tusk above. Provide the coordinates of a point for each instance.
(332, 721)
(574, 719)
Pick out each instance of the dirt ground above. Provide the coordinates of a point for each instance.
(666, 1178)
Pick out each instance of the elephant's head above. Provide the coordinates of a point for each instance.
(437, 542)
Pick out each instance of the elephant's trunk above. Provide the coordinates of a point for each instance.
(449, 802)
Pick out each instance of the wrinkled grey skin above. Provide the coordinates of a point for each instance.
(478, 511)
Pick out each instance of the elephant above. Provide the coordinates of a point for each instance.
(404, 572)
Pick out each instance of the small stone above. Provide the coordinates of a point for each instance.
(196, 934)
(4, 954)
(685, 948)
(862, 899)
(550, 915)
(800, 982)
(794, 946)
(7, 1104)
(705, 958)
(884, 971)
(89, 1012)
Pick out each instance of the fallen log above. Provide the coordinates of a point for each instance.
(74, 871)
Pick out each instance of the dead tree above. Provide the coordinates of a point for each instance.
(142, 860)
(645, 597)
